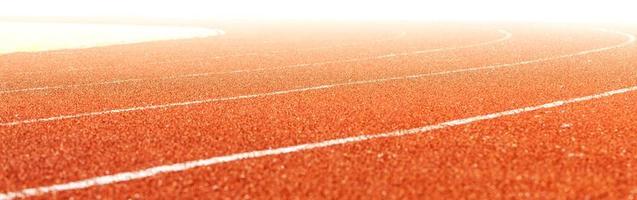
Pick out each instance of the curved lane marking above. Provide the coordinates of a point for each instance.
(629, 40)
(179, 167)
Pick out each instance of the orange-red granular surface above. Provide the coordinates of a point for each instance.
(577, 151)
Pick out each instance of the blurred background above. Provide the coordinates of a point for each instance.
(618, 11)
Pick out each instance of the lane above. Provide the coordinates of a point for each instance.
(42, 105)
(97, 98)
(180, 135)
(232, 42)
(629, 39)
(147, 67)
(42, 151)
(531, 155)
(285, 39)
(505, 36)
(208, 59)
(179, 167)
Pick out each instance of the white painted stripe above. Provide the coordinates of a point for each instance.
(630, 40)
(179, 167)
(505, 36)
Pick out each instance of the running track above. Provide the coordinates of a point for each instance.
(444, 111)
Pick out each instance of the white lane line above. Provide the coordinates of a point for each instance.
(505, 36)
(179, 167)
(630, 40)
(398, 36)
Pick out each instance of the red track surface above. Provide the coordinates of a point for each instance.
(582, 150)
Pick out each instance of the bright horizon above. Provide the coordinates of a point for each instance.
(31, 37)
(620, 11)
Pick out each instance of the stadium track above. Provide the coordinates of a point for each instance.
(578, 150)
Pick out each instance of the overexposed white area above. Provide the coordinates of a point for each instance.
(28, 37)
(508, 10)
